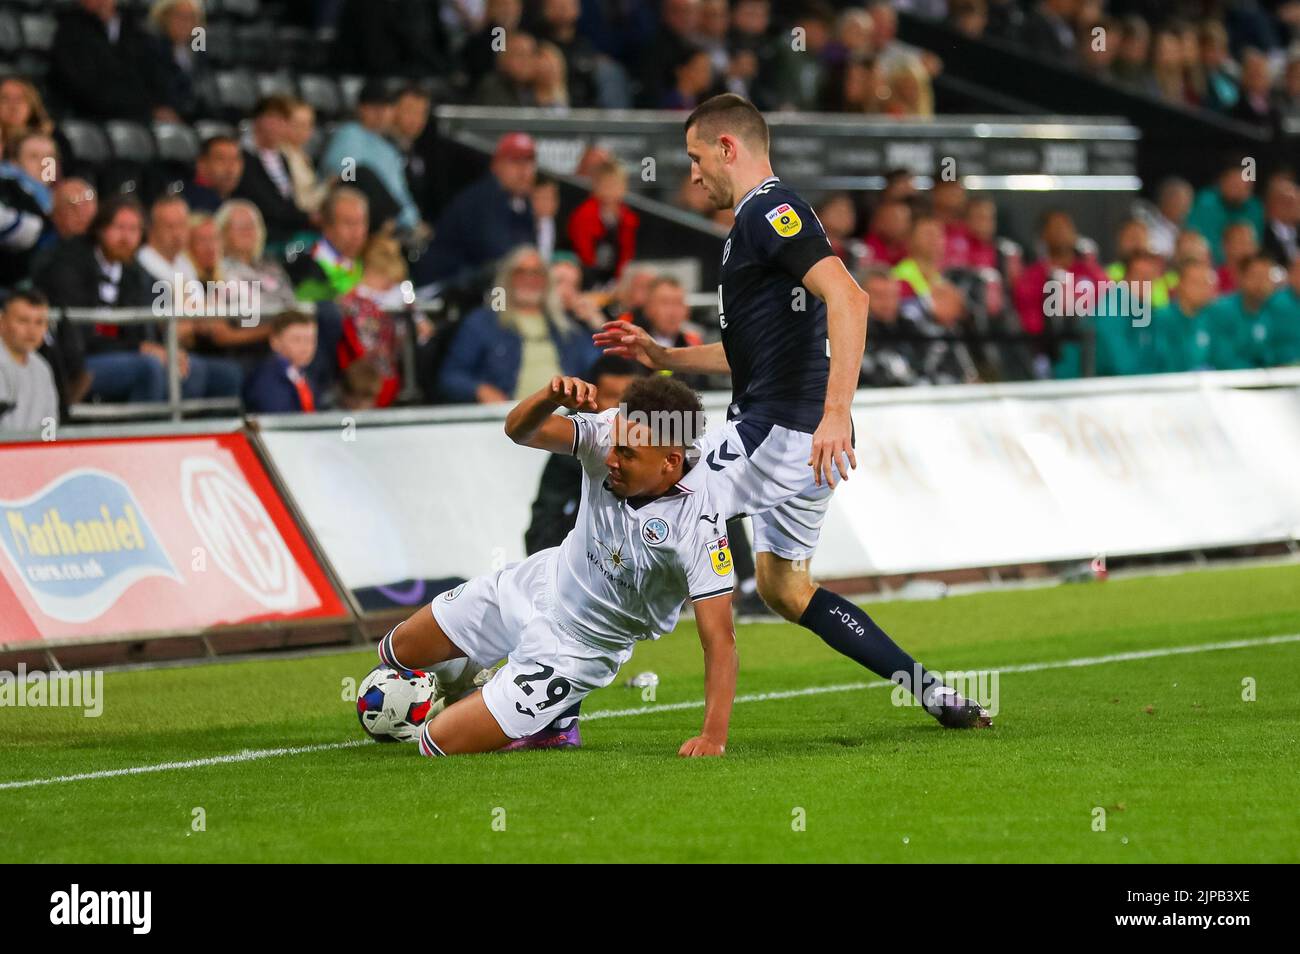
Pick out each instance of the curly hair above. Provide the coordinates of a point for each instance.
(668, 407)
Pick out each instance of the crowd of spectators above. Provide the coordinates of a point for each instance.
(1238, 58)
(315, 246)
(952, 301)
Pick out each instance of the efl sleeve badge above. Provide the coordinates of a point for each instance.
(719, 556)
(785, 220)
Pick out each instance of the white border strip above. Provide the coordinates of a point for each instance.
(253, 755)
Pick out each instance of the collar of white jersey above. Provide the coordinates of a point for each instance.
(687, 485)
(767, 181)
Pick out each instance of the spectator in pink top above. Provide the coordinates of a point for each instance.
(887, 236)
(1058, 238)
(948, 203)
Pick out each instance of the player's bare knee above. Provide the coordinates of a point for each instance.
(787, 596)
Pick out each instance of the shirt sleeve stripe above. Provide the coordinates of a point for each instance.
(711, 594)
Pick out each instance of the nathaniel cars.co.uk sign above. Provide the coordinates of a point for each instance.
(107, 537)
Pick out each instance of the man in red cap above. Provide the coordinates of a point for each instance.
(488, 218)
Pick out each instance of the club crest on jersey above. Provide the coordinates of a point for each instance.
(785, 220)
(452, 594)
(719, 556)
(654, 531)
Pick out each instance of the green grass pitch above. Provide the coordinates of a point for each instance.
(1184, 767)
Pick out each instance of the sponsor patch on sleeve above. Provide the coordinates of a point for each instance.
(785, 220)
(719, 556)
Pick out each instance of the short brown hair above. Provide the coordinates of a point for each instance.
(288, 319)
(277, 103)
(733, 114)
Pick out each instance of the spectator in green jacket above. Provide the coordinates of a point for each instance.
(1238, 330)
(1123, 324)
(1133, 236)
(1231, 199)
(1181, 329)
(1282, 316)
(332, 267)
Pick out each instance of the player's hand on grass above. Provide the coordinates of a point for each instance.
(833, 445)
(700, 746)
(632, 342)
(573, 393)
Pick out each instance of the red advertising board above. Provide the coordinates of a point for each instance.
(134, 535)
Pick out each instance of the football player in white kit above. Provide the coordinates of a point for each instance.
(794, 325)
(647, 538)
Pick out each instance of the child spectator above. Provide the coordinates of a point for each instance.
(369, 331)
(361, 385)
(28, 395)
(280, 384)
(602, 230)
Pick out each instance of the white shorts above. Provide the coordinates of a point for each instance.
(762, 469)
(508, 614)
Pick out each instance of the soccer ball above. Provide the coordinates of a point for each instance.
(392, 704)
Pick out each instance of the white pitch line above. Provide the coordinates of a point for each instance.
(253, 755)
(1023, 667)
(248, 755)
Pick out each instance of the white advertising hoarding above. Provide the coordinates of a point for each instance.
(947, 477)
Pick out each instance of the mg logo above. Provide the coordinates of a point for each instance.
(238, 533)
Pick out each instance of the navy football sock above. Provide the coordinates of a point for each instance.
(847, 629)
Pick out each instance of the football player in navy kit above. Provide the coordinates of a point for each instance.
(794, 324)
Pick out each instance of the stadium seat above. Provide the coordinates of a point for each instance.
(276, 84)
(244, 9)
(236, 92)
(255, 45)
(301, 49)
(11, 34)
(131, 141)
(35, 66)
(220, 43)
(321, 93)
(88, 142)
(38, 31)
(131, 169)
(350, 87)
(205, 129)
(176, 142)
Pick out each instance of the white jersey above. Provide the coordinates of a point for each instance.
(625, 570)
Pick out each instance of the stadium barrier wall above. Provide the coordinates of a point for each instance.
(948, 478)
(280, 523)
(139, 531)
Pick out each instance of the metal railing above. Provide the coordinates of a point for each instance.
(176, 407)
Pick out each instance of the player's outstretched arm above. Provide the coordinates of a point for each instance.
(846, 327)
(721, 663)
(533, 422)
(635, 343)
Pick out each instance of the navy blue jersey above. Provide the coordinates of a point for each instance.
(774, 329)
